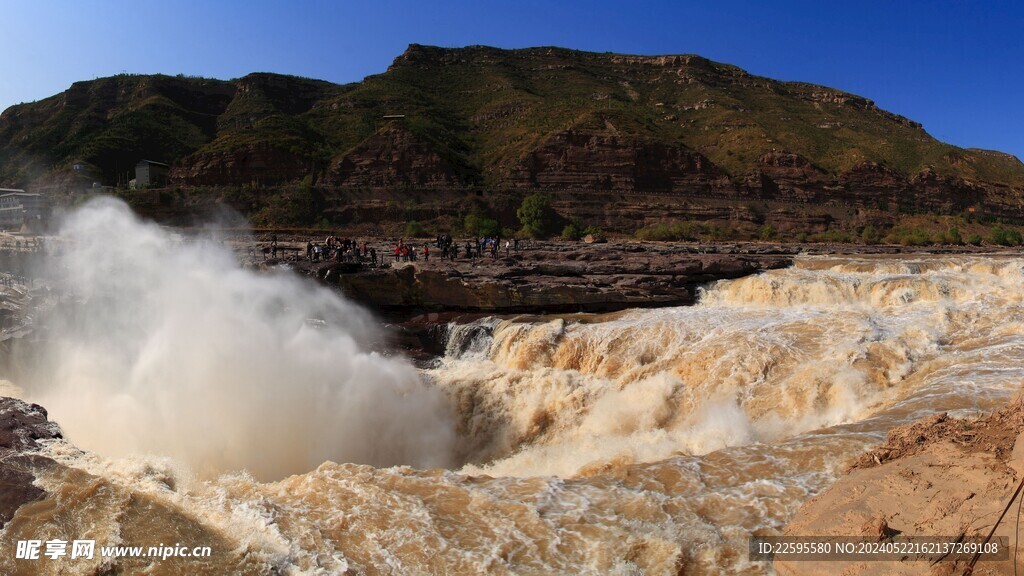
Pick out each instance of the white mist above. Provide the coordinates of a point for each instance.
(173, 349)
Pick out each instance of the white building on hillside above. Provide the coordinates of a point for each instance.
(18, 207)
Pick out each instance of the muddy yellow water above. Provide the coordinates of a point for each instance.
(653, 442)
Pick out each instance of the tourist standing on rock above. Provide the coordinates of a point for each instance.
(508, 245)
(426, 252)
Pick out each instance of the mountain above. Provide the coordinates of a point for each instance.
(532, 119)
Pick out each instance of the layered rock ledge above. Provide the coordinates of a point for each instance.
(557, 277)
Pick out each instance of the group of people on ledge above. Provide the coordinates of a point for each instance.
(451, 250)
(341, 250)
(475, 248)
(344, 249)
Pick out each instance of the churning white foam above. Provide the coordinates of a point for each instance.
(759, 359)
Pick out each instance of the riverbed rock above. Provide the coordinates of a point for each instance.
(22, 426)
(562, 277)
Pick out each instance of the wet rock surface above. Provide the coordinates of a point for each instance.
(22, 426)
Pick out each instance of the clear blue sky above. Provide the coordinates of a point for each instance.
(955, 66)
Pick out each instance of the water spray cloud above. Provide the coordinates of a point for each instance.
(171, 348)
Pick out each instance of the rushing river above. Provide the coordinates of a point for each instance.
(642, 442)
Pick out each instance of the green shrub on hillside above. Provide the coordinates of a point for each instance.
(480, 226)
(675, 232)
(536, 216)
(415, 230)
(832, 237)
(869, 235)
(576, 230)
(294, 207)
(910, 237)
(1004, 237)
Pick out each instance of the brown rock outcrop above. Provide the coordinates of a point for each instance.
(22, 425)
(393, 156)
(257, 163)
(940, 476)
(790, 177)
(784, 175)
(262, 94)
(935, 192)
(558, 278)
(871, 183)
(581, 160)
